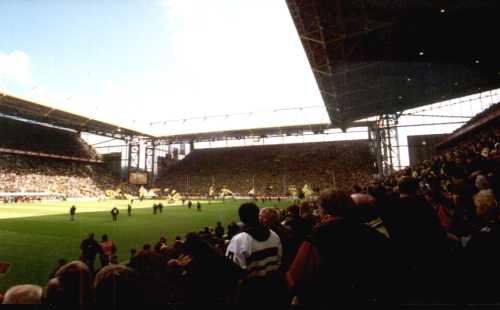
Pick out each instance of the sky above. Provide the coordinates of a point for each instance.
(136, 62)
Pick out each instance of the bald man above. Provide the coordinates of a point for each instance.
(23, 295)
(71, 286)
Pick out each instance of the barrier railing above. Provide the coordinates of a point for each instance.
(47, 155)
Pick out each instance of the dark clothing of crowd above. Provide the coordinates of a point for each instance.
(424, 235)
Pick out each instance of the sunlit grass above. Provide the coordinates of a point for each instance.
(33, 236)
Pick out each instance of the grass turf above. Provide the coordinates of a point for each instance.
(33, 236)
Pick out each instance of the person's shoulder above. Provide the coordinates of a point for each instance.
(274, 237)
(242, 235)
(281, 229)
(273, 234)
(328, 227)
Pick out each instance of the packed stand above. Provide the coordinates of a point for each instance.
(272, 168)
(46, 175)
(40, 174)
(425, 235)
(380, 247)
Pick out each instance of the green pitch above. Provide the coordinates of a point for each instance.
(33, 236)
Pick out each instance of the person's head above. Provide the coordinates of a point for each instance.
(364, 206)
(333, 202)
(294, 210)
(163, 239)
(26, 294)
(219, 224)
(249, 214)
(486, 206)
(268, 216)
(104, 237)
(146, 263)
(481, 182)
(91, 236)
(70, 286)
(196, 246)
(407, 186)
(146, 247)
(115, 285)
(363, 199)
(356, 188)
(305, 209)
(485, 152)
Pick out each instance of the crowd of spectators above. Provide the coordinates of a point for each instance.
(272, 168)
(427, 234)
(382, 246)
(53, 176)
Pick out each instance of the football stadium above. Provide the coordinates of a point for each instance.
(364, 170)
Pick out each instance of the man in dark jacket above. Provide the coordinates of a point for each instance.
(72, 212)
(114, 214)
(463, 191)
(482, 253)
(210, 278)
(297, 224)
(419, 240)
(269, 218)
(343, 262)
(89, 249)
(219, 231)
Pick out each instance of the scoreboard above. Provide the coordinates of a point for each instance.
(138, 178)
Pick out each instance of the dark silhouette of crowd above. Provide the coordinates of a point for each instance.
(383, 246)
(428, 234)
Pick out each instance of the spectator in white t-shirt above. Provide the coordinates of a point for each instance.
(258, 251)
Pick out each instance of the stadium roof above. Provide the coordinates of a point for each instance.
(25, 109)
(372, 57)
(489, 117)
(247, 133)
